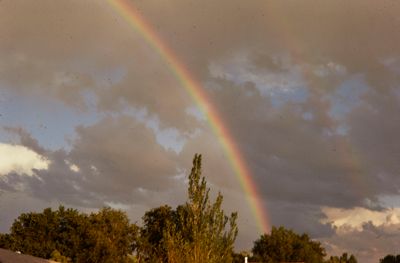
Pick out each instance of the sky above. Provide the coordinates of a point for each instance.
(91, 115)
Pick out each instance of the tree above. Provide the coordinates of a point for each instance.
(152, 247)
(71, 228)
(109, 238)
(200, 232)
(35, 233)
(56, 256)
(50, 233)
(342, 259)
(283, 245)
(5, 241)
(197, 231)
(69, 236)
(390, 259)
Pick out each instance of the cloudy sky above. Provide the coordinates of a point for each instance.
(91, 115)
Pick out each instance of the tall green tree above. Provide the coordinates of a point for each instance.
(202, 233)
(284, 245)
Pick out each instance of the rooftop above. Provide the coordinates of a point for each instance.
(8, 256)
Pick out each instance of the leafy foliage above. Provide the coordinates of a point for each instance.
(199, 232)
(194, 232)
(67, 235)
(344, 258)
(56, 256)
(5, 241)
(283, 245)
(390, 259)
(152, 247)
(36, 233)
(109, 238)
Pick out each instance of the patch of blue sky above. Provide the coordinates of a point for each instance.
(171, 139)
(103, 76)
(297, 95)
(196, 112)
(168, 137)
(48, 120)
(109, 77)
(308, 116)
(280, 87)
(342, 129)
(347, 96)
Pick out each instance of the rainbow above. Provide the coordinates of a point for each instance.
(128, 11)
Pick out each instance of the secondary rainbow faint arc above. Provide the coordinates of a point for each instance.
(128, 11)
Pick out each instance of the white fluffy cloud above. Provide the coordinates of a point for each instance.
(356, 217)
(21, 160)
(369, 234)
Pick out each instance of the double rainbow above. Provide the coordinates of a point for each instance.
(126, 9)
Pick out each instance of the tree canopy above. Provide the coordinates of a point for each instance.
(390, 259)
(202, 232)
(197, 231)
(152, 246)
(344, 258)
(69, 236)
(284, 245)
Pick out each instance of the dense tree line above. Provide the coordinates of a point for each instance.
(390, 259)
(344, 258)
(284, 245)
(197, 231)
(67, 235)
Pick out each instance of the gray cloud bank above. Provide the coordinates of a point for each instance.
(285, 77)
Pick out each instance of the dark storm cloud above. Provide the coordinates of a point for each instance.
(298, 157)
(282, 146)
(118, 160)
(128, 151)
(67, 50)
(303, 218)
(309, 31)
(26, 139)
(216, 169)
(374, 129)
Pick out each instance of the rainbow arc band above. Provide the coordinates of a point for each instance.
(127, 10)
